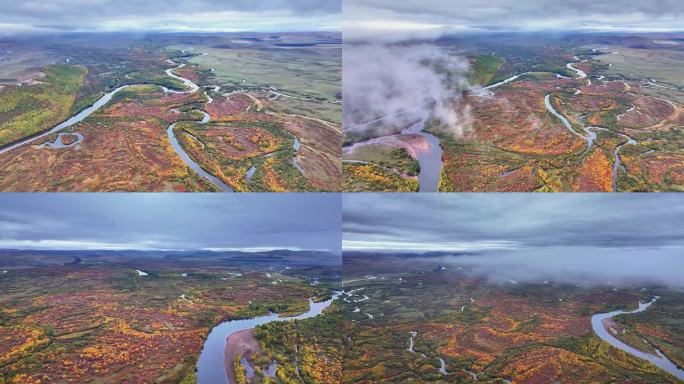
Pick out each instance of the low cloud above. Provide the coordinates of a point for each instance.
(578, 265)
(392, 87)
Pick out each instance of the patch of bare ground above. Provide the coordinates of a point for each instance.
(239, 343)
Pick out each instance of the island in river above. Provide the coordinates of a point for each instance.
(433, 322)
(141, 317)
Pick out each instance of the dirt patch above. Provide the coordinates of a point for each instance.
(239, 343)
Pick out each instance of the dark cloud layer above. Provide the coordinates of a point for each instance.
(173, 15)
(576, 238)
(170, 221)
(516, 220)
(425, 17)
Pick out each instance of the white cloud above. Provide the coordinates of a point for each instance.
(408, 246)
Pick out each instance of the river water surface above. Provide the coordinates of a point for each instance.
(211, 365)
(430, 164)
(71, 121)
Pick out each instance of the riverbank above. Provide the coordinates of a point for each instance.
(421, 146)
(239, 343)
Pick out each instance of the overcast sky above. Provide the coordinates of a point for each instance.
(248, 222)
(407, 18)
(463, 222)
(169, 15)
(588, 238)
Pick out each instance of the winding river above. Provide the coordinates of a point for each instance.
(189, 84)
(211, 365)
(599, 324)
(617, 163)
(591, 136)
(205, 119)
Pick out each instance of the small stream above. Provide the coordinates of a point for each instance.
(410, 348)
(442, 367)
(250, 173)
(297, 146)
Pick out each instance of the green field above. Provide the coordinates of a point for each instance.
(483, 68)
(310, 73)
(30, 109)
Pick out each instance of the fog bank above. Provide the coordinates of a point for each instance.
(389, 88)
(578, 265)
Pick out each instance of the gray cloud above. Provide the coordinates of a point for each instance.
(174, 15)
(397, 19)
(170, 221)
(610, 221)
(565, 237)
(578, 265)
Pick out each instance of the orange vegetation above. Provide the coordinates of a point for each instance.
(543, 365)
(596, 174)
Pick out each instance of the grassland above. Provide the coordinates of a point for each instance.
(662, 65)
(311, 72)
